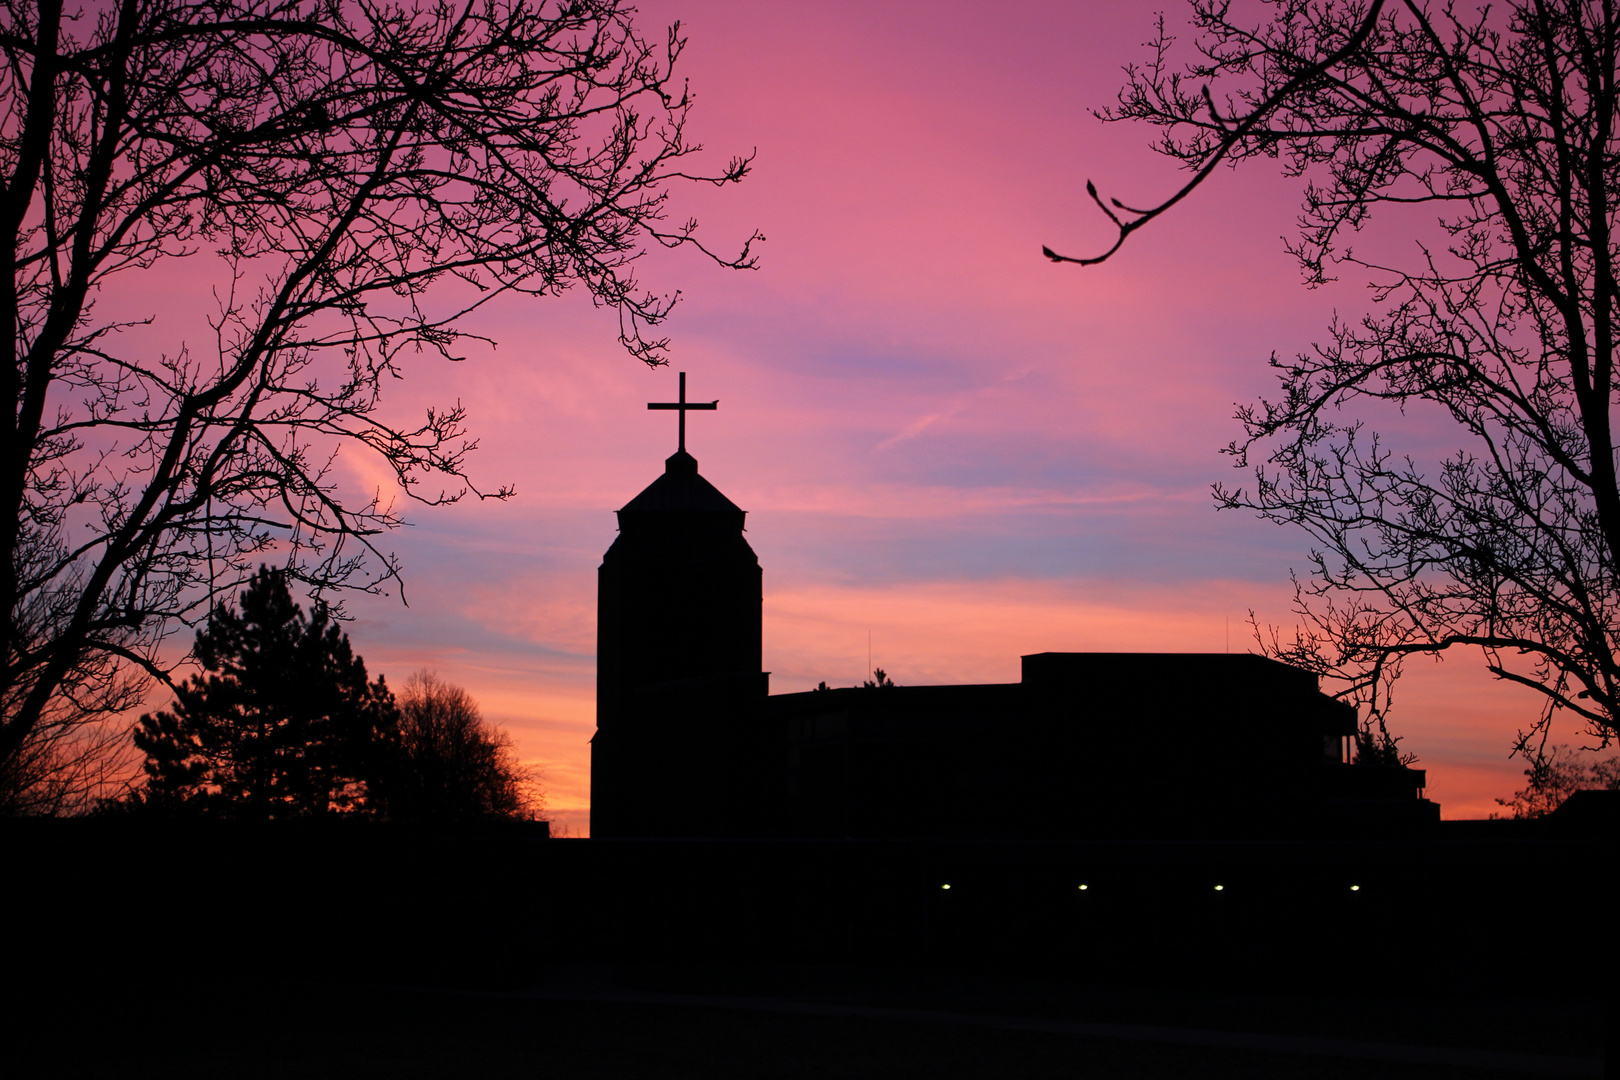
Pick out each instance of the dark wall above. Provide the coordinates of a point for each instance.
(677, 599)
(1089, 745)
(900, 762)
(1171, 740)
(682, 759)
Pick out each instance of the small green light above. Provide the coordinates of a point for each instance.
(1220, 888)
(944, 886)
(1083, 888)
(1355, 888)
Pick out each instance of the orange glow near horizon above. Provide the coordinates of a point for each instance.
(1457, 720)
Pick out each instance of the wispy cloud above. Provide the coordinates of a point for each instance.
(955, 406)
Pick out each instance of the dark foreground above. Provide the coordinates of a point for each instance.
(211, 951)
(785, 1023)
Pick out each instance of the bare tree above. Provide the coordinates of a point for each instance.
(361, 176)
(452, 764)
(1502, 122)
(79, 751)
(69, 764)
(1554, 774)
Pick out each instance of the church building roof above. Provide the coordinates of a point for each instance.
(681, 490)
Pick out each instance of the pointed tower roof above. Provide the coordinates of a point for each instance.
(680, 491)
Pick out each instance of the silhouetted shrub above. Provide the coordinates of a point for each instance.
(1375, 746)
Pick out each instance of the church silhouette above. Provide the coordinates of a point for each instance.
(690, 742)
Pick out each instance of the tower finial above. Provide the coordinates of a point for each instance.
(683, 406)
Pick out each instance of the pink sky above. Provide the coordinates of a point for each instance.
(942, 440)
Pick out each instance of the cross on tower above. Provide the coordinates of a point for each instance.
(683, 406)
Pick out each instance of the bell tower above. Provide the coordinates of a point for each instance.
(678, 658)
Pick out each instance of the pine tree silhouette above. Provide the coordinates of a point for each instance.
(284, 723)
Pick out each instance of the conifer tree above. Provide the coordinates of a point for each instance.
(282, 724)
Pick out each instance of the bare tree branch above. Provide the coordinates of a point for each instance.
(1234, 134)
(1503, 121)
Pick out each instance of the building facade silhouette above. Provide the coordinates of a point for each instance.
(690, 742)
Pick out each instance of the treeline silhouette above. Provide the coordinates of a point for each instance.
(283, 723)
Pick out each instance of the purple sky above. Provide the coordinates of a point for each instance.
(942, 440)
